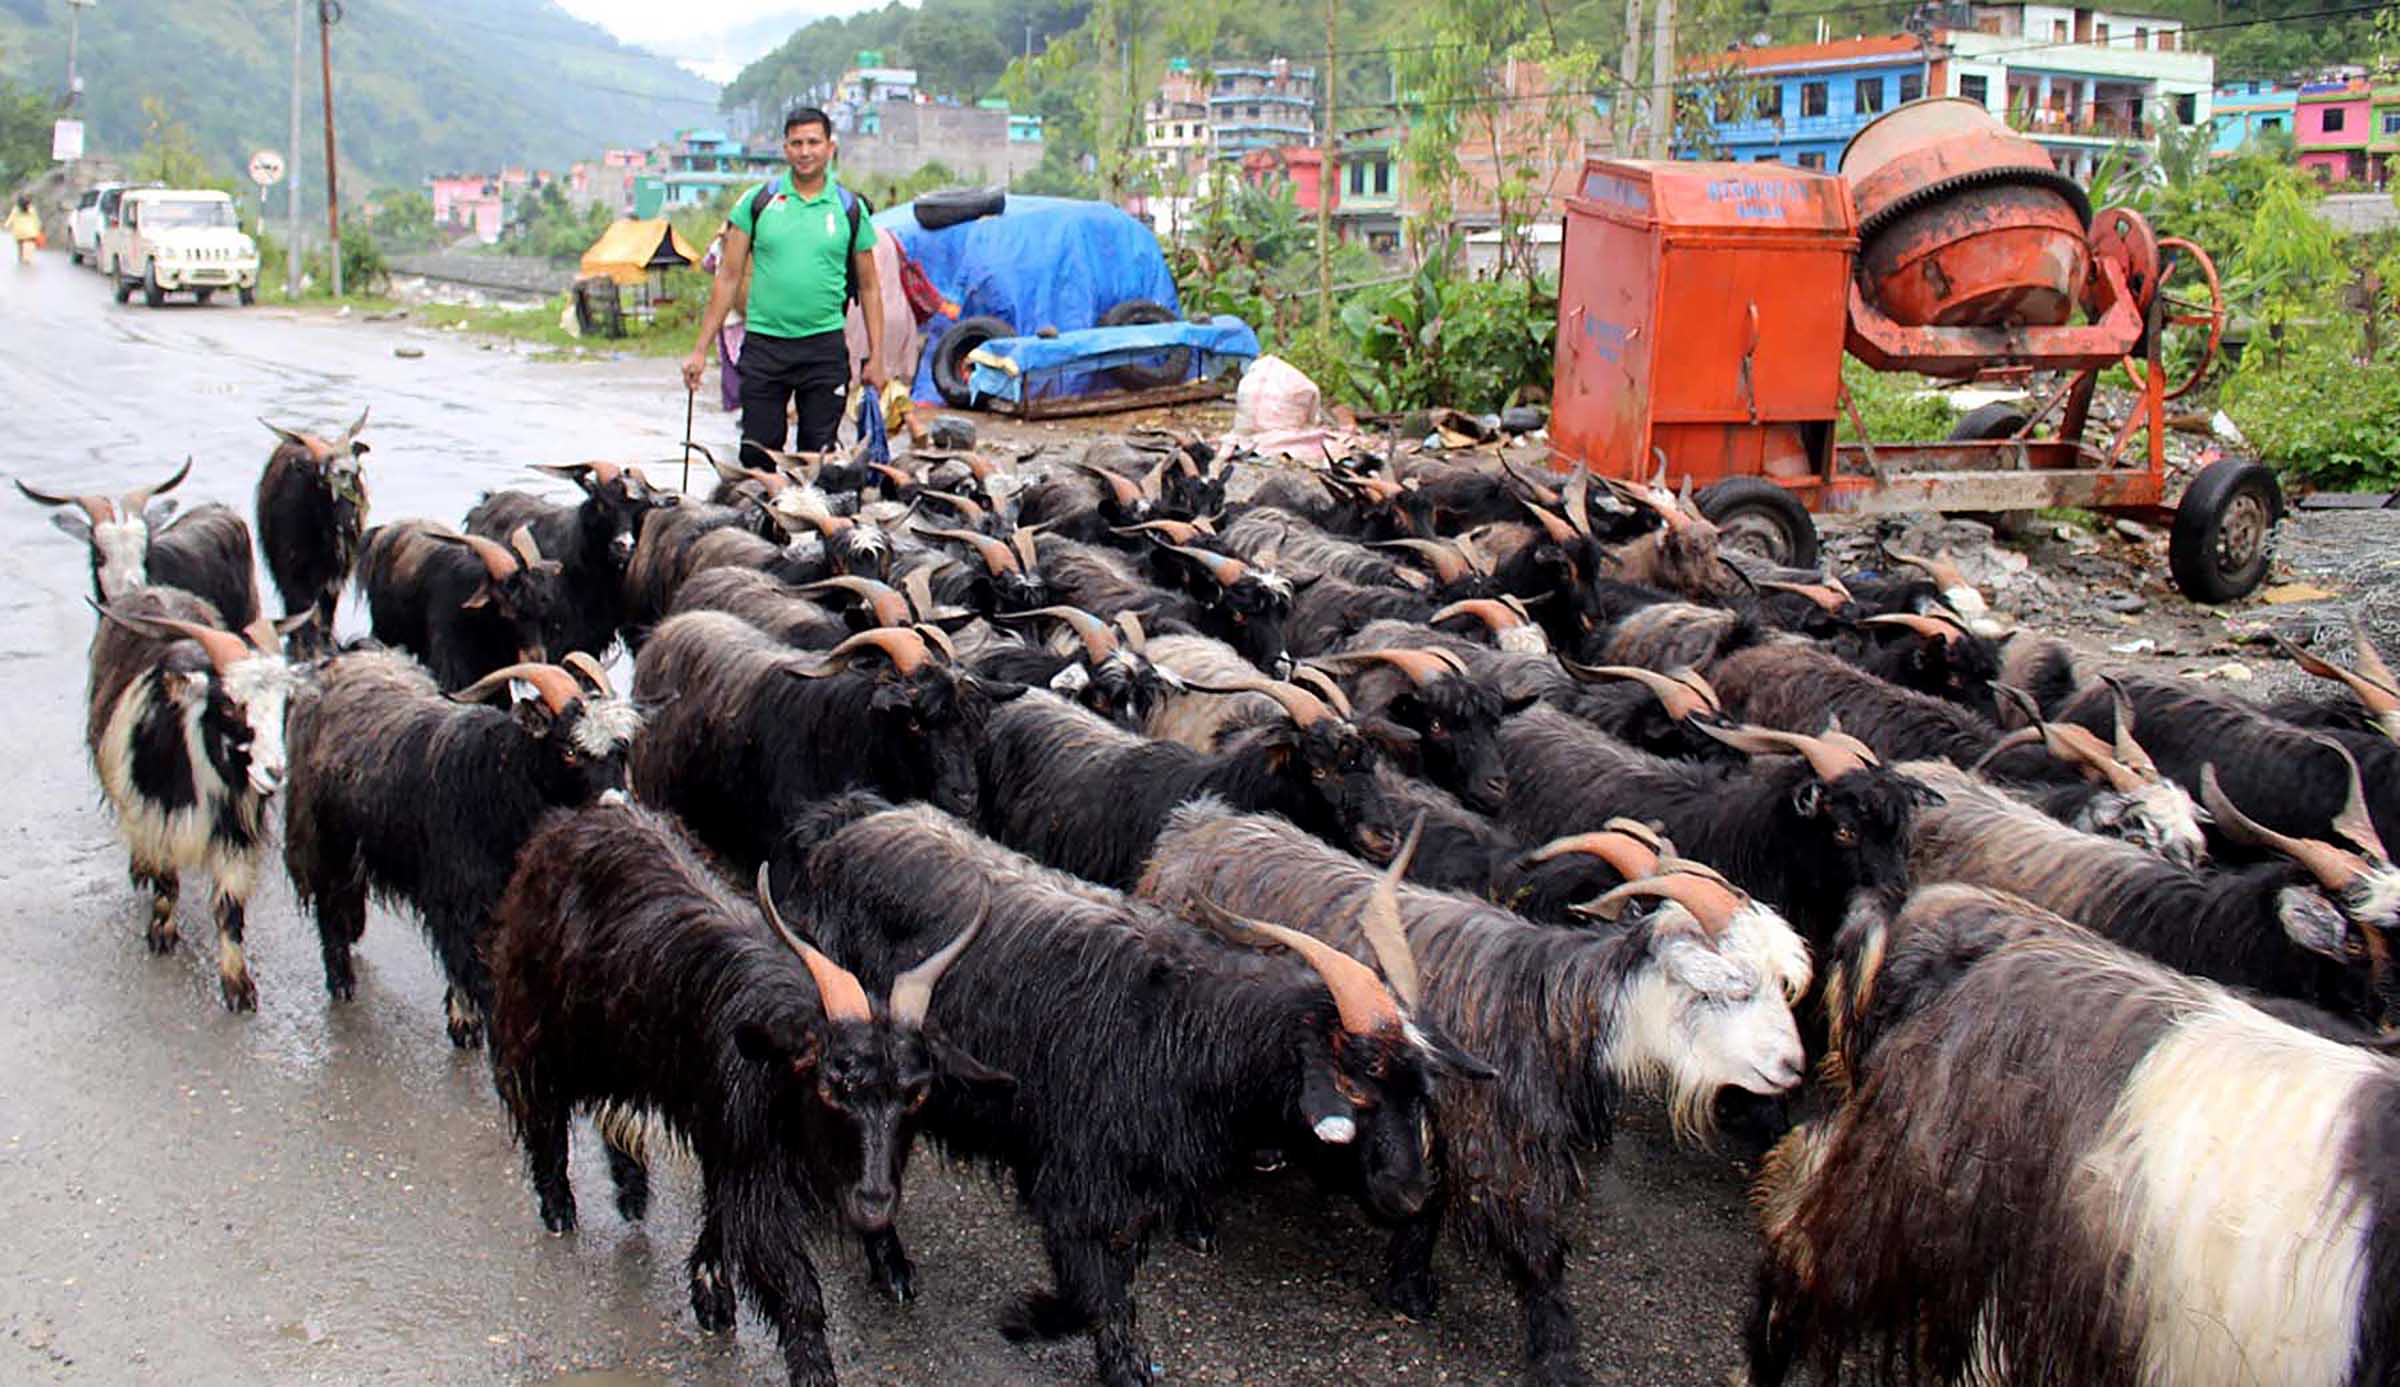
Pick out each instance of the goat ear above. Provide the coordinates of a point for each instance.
(2312, 922)
(1808, 798)
(359, 449)
(1004, 692)
(481, 597)
(957, 1065)
(1444, 1058)
(160, 512)
(778, 1042)
(888, 698)
(1510, 707)
(533, 715)
(74, 525)
(1391, 735)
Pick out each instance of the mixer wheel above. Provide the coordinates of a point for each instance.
(1758, 517)
(2223, 527)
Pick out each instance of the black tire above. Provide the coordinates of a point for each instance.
(1987, 422)
(2224, 531)
(1758, 517)
(951, 206)
(1172, 368)
(248, 295)
(152, 294)
(124, 286)
(950, 356)
(204, 295)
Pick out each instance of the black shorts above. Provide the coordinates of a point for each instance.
(775, 371)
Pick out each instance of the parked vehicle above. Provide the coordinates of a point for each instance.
(171, 240)
(93, 212)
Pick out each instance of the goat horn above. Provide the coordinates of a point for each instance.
(2376, 698)
(2335, 868)
(521, 540)
(140, 496)
(357, 427)
(498, 564)
(1022, 539)
(1924, 626)
(1495, 615)
(888, 606)
(1540, 491)
(1321, 683)
(1575, 498)
(2128, 750)
(897, 476)
(2068, 742)
(1632, 858)
(1131, 624)
(1941, 570)
(837, 990)
(902, 646)
(1224, 568)
(556, 687)
(2354, 822)
(1098, 641)
(1558, 530)
(1422, 667)
(997, 558)
(1379, 921)
(1830, 762)
(99, 509)
(964, 505)
(912, 991)
(1176, 531)
(978, 466)
(1708, 899)
(938, 639)
(1126, 493)
(1833, 735)
(1304, 708)
(292, 436)
(582, 665)
(1822, 595)
(223, 648)
(1448, 564)
(1680, 699)
(1359, 997)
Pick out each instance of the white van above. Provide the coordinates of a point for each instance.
(93, 212)
(172, 240)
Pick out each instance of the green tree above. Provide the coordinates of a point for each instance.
(953, 59)
(404, 220)
(25, 118)
(169, 154)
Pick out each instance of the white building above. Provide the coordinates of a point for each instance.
(2077, 80)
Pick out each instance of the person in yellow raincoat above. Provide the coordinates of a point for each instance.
(26, 226)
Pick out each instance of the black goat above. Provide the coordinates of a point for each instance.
(206, 553)
(1152, 1061)
(1110, 672)
(1800, 687)
(1683, 1001)
(184, 722)
(425, 799)
(747, 730)
(766, 602)
(462, 604)
(312, 509)
(1088, 797)
(1431, 717)
(663, 560)
(1248, 606)
(629, 983)
(2373, 705)
(592, 541)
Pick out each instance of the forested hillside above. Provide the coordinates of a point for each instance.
(420, 86)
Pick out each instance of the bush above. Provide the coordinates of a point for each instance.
(1895, 407)
(2321, 417)
(1440, 340)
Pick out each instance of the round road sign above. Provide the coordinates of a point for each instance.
(266, 168)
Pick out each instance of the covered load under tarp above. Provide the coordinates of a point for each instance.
(1019, 369)
(1045, 262)
(630, 250)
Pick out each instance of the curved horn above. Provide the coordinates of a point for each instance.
(556, 687)
(1422, 667)
(584, 667)
(1363, 1002)
(2354, 822)
(1632, 858)
(140, 495)
(1925, 626)
(964, 505)
(99, 509)
(1709, 900)
(357, 427)
(1022, 538)
(1680, 700)
(1379, 921)
(837, 990)
(223, 648)
(292, 436)
(1448, 564)
(939, 639)
(1833, 735)
(997, 558)
(1944, 573)
(1830, 762)
(2128, 750)
(1304, 708)
(1494, 614)
(1099, 642)
(1321, 684)
(521, 542)
(1226, 569)
(1541, 492)
(1825, 597)
(902, 646)
(1574, 497)
(1558, 530)
(888, 606)
(1128, 496)
(498, 564)
(2334, 868)
(2375, 698)
(912, 992)
(1131, 624)
(1176, 531)
(897, 476)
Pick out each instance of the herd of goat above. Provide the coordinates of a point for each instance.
(1392, 821)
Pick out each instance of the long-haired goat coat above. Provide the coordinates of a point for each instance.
(2059, 1162)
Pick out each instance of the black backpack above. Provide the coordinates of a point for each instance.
(855, 205)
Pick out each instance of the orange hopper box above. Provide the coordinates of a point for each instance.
(1701, 312)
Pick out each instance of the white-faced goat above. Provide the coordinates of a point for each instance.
(2058, 1161)
(1680, 1001)
(1153, 1061)
(424, 799)
(629, 983)
(185, 728)
(206, 553)
(312, 512)
(462, 604)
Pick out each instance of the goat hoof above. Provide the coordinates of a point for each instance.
(161, 936)
(1416, 1297)
(1200, 1239)
(633, 1203)
(712, 1301)
(466, 1035)
(898, 1281)
(241, 994)
(558, 1215)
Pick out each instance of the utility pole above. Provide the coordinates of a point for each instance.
(292, 189)
(329, 13)
(1662, 81)
(1329, 172)
(75, 9)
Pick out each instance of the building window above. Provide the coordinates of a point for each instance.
(2270, 122)
(1383, 176)
(2391, 122)
(2100, 35)
(1764, 159)
(1179, 131)
(2058, 31)
(1870, 95)
(1812, 160)
(2166, 40)
(2141, 36)
(2187, 109)
(1812, 98)
(1250, 110)
(1977, 88)
(1912, 87)
(2333, 119)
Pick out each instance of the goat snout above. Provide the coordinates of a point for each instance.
(266, 780)
(869, 1208)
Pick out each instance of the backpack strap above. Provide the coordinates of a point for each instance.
(856, 206)
(758, 204)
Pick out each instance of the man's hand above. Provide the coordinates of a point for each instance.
(872, 373)
(695, 366)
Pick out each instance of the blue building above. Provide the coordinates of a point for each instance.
(2244, 109)
(1799, 104)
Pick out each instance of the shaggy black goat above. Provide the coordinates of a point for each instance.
(462, 604)
(1799, 832)
(663, 557)
(1110, 672)
(1106, 584)
(1683, 1001)
(1152, 1061)
(1005, 577)
(1088, 797)
(2060, 1162)
(2373, 705)
(1431, 717)
(630, 983)
(206, 553)
(1248, 606)
(1328, 611)
(312, 509)
(748, 730)
(766, 602)
(592, 542)
(1801, 687)
(185, 727)
(1288, 543)
(424, 800)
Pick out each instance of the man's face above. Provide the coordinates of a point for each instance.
(806, 148)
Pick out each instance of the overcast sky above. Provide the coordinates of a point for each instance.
(648, 22)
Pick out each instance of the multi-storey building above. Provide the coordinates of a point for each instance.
(2331, 129)
(1261, 107)
(2243, 111)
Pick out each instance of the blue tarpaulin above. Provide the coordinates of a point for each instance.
(1041, 361)
(1045, 262)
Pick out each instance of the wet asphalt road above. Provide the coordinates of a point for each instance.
(329, 1194)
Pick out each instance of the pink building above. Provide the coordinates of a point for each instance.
(2330, 129)
(467, 202)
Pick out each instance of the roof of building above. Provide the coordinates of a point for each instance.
(1834, 53)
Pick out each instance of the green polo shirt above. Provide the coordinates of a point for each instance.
(796, 258)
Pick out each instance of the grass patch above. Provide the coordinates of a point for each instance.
(539, 326)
